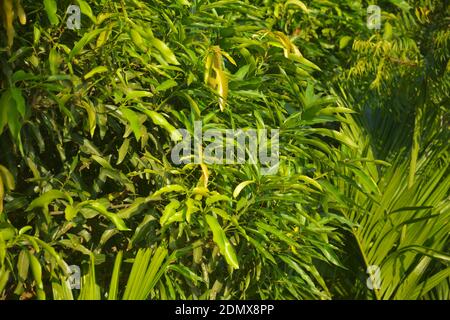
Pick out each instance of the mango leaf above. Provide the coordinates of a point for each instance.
(78, 47)
(123, 150)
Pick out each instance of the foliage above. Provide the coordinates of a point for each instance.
(88, 119)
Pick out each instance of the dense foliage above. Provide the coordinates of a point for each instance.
(357, 209)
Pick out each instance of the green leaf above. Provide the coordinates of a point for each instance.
(171, 214)
(148, 267)
(297, 3)
(51, 8)
(54, 61)
(137, 94)
(240, 187)
(70, 212)
(339, 136)
(36, 269)
(219, 237)
(7, 232)
(80, 44)
(23, 266)
(103, 162)
(6, 103)
(310, 181)
(186, 272)
(114, 218)
(166, 85)
(344, 42)
(387, 35)
(216, 198)
(92, 116)
(168, 54)
(123, 151)
(159, 120)
(134, 122)
(169, 188)
(19, 99)
(96, 70)
(44, 200)
(7, 178)
(402, 4)
(114, 286)
(86, 9)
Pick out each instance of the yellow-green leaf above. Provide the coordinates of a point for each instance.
(51, 8)
(159, 120)
(219, 237)
(171, 214)
(241, 186)
(123, 150)
(168, 55)
(94, 71)
(344, 42)
(92, 119)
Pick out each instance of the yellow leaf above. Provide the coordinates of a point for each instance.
(208, 65)
(205, 174)
(219, 81)
(222, 88)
